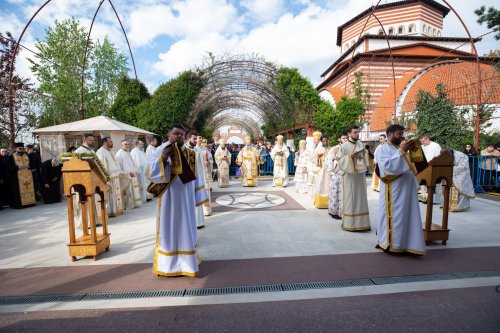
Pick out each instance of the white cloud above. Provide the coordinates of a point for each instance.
(263, 10)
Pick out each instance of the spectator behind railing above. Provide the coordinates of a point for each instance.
(489, 167)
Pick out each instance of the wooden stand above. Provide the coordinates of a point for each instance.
(83, 179)
(440, 168)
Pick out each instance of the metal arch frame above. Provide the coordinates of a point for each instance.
(238, 83)
(16, 48)
(473, 46)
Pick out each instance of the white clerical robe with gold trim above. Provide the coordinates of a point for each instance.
(176, 238)
(114, 204)
(133, 193)
(355, 214)
(399, 225)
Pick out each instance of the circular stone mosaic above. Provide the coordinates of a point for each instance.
(251, 200)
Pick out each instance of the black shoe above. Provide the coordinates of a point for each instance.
(200, 227)
(336, 217)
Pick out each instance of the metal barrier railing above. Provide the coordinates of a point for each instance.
(485, 172)
(266, 165)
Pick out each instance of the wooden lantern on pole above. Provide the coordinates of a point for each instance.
(84, 179)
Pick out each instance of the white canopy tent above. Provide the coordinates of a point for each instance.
(55, 140)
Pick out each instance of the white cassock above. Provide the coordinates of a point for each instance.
(431, 151)
(463, 189)
(133, 194)
(335, 195)
(399, 225)
(149, 151)
(201, 175)
(302, 165)
(207, 165)
(140, 161)
(176, 237)
(115, 203)
(280, 169)
(355, 214)
(311, 175)
(322, 178)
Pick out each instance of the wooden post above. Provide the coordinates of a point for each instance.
(430, 202)
(85, 223)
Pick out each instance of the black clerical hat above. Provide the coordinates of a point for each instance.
(19, 144)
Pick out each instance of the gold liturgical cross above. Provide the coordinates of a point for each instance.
(26, 184)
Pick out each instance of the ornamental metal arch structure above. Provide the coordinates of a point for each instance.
(237, 90)
(84, 59)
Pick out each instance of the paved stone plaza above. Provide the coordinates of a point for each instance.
(256, 236)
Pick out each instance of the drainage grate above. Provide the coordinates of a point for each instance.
(327, 284)
(414, 278)
(245, 289)
(233, 290)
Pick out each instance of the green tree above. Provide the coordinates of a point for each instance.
(491, 17)
(171, 102)
(108, 66)
(57, 66)
(437, 117)
(128, 103)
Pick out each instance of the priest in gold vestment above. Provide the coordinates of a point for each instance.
(223, 160)
(353, 162)
(248, 160)
(322, 176)
(280, 154)
(20, 178)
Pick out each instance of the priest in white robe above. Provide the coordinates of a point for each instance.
(463, 189)
(311, 174)
(207, 164)
(322, 187)
(431, 150)
(192, 143)
(140, 161)
(332, 166)
(301, 163)
(131, 194)
(353, 161)
(115, 203)
(399, 225)
(375, 180)
(149, 150)
(223, 160)
(279, 155)
(179, 192)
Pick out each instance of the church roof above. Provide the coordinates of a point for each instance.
(460, 79)
(99, 123)
(443, 9)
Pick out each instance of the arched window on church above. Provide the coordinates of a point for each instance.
(401, 30)
(434, 32)
(391, 31)
(380, 31)
(424, 29)
(411, 28)
(346, 46)
(429, 30)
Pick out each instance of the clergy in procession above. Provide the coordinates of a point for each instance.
(115, 204)
(332, 165)
(322, 187)
(149, 150)
(87, 146)
(431, 150)
(173, 166)
(223, 160)
(207, 164)
(279, 155)
(311, 170)
(140, 161)
(353, 161)
(301, 167)
(191, 143)
(375, 180)
(131, 194)
(248, 160)
(399, 225)
(50, 179)
(22, 188)
(463, 189)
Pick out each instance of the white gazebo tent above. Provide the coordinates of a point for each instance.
(55, 140)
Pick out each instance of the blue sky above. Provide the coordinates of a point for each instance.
(171, 36)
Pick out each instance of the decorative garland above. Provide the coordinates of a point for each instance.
(85, 156)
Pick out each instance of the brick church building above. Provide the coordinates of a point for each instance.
(419, 57)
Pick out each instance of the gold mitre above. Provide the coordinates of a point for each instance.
(279, 137)
(317, 135)
(248, 138)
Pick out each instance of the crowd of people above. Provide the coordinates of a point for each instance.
(182, 170)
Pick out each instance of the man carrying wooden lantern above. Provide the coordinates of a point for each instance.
(399, 226)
